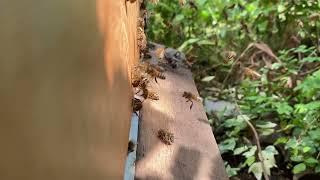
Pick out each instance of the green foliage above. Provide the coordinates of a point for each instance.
(204, 28)
(294, 112)
(283, 104)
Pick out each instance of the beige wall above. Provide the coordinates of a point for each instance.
(64, 104)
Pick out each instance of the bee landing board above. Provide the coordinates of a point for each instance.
(65, 91)
(193, 152)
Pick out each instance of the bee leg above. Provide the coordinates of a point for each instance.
(191, 105)
(155, 78)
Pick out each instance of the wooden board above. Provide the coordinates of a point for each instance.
(65, 91)
(194, 153)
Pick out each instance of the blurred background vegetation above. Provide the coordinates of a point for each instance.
(260, 58)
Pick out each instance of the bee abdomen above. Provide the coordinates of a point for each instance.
(161, 76)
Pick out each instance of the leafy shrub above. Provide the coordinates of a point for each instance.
(281, 98)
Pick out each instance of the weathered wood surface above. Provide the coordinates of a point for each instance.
(194, 153)
(65, 91)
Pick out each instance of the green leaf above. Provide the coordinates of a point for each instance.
(240, 150)
(315, 134)
(201, 2)
(266, 125)
(251, 152)
(311, 160)
(303, 108)
(265, 132)
(299, 168)
(207, 78)
(311, 59)
(188, 42)
(231, 171)
(271, 150)
(284, 108)
(256, 169)
(178, 18)
(281, 140)
(306, 149)
(250, 160)
(296, 158)
(292, 143)
(235, 123)
(276, 66)
(205, 42)
(226, 145)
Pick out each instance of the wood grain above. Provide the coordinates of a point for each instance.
(194, 153)
(65, 91)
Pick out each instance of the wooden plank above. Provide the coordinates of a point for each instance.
(194, 153)
(65, 91)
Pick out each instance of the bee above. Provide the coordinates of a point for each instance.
(136, 105)
(165, 136)
(141, 22)
(131, 146)
(190, 97)
(155, 72)
(153, 95)
(229, 56)
(137, 75)
(141, 39)
(146, 93)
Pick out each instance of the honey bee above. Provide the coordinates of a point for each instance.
(137, 75)
(190, 97)
(131, 146)
(155, 72)
(165, 136)
(147, 94)
(141, 22)
(153, 95)
(141, 39)
(136, 105)
(229, 56)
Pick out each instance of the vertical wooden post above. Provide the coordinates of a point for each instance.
(65, 91)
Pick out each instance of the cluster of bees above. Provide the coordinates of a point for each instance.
(142, 74)
(145, 72)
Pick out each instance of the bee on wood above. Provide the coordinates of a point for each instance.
(131, 146)
(165, 136)
(136, 105)
(141, 39)
(137, 75)
(190, 97)
(152, 95)
(146, 93)
(155, 72)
